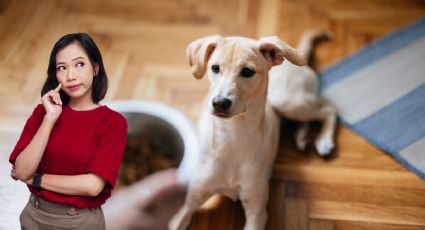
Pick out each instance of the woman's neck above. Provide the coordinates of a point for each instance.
(83, 105)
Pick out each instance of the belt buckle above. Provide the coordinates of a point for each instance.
(71, 211)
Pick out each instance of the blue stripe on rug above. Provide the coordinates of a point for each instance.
(380, 92)
(399, 124)
(379, 84)
(372, 52)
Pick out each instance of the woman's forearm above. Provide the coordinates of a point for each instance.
(79, 185)
(28, 160)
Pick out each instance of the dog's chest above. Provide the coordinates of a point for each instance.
(237, 144)
(232, 153)
(241, 142)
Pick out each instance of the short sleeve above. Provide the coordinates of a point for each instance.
(109, 154)
(30, 129)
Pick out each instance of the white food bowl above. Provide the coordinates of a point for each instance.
(173, 128)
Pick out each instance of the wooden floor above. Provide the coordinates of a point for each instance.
(143, 45)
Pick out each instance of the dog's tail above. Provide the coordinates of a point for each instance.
(308, 39)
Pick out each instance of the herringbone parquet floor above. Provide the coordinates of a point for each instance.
(143, 45)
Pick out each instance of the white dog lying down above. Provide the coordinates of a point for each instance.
(293, 93)
(239, 128)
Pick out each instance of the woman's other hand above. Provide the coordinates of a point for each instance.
(13, 173)
(14, 176)
(52, 103)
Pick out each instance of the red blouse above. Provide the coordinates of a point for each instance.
(80, 142)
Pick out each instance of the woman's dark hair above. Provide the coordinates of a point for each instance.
(100, 81)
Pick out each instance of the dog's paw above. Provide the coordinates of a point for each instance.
(173, 224)
(324, 146)
(301, 143)
(180, 221)
(301, 138)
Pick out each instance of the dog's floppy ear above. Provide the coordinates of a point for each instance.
(199, 51)
(275, 50)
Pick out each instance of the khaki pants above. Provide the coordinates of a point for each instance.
(43, 214)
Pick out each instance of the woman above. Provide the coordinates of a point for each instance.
(71, 147)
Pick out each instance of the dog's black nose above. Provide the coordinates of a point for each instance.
(221, 104)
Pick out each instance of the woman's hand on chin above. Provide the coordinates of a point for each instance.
(52, 103)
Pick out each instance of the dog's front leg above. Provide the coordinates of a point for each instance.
(195, 198)
(254, 200)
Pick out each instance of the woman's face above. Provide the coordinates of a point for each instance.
(75, 72)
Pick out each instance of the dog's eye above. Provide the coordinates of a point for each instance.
(215, 68)
(247, 72)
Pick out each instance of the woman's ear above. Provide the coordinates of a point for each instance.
(96, 70)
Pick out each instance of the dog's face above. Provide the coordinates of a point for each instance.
(237, 69)
(238, 73)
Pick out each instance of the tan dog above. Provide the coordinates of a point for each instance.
(239, 128)
(293, 93)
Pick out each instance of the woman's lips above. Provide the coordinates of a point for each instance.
(73, 87)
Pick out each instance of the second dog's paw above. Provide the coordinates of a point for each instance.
(324, 146)
(301, 143)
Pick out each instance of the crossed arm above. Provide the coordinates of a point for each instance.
(79, 185)
(28, 160)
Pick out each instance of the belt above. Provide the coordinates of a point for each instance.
(55, 207)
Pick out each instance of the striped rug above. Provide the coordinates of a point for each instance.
(380, 94)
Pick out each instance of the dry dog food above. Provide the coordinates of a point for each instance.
(142, 157)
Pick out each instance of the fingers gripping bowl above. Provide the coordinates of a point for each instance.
(158, 137)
